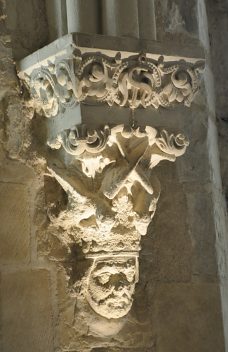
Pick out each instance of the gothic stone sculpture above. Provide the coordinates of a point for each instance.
(112, 196)
(111, 284)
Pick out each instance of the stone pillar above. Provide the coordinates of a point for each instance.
(82, 16)
(57, 18)
(147, 19)
(120, 18)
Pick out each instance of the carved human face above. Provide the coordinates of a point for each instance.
(111, 285)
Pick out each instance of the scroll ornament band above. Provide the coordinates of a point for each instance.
(112, 197)
(136, 81)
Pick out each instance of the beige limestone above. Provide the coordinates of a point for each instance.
(202, 237)
(136, 81)
(26, 311)
(15, 172)
(112, 197)
(178, 308)
(177, 295)
(111, 46)
(169, 249)
(15, 223)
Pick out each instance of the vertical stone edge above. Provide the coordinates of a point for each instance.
(220, 214)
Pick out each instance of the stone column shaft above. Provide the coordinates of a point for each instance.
(82, 16)
(147, 19)
(120, 18)
(57, 18)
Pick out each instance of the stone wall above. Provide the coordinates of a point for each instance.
(218, 24)
(26, 300)
(177, 304)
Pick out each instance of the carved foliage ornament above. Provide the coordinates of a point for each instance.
(93, 77)
(112, 197)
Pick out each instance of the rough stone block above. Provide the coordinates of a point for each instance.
(188, 318)
(166, 250)
(26, 312)
(194, 165)
(15, 172)
(65, 330)
(15, 223)
(201, 225)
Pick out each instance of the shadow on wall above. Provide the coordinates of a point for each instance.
(27, 25)
(176, 17)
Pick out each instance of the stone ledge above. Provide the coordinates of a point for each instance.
(111, 45)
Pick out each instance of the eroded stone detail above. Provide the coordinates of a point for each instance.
(112, 197)
(111, 285)
(136, 81)
(79, 139)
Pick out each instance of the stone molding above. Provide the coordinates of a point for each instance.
(134, 81)
(112, 197)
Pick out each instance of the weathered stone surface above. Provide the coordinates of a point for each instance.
(193, 123)
(201, 232)
(149, 82)
(215, 20)
(26, 311)
(16, 127)
(188, 318)
(175, 18)
(177, 301)
(107, 217)
(27, 24)
(15, 223)
(85, 331)
(13, 171)
(167, 249)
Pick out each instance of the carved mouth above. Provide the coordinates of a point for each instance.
(117, 301)
(118, 305)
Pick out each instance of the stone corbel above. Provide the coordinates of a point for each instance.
(112, 197)
(110, 182)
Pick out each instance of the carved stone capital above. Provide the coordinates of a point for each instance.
(95, 78)
(112, 197)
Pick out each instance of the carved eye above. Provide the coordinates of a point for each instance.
(103, 278)
(145, 80)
